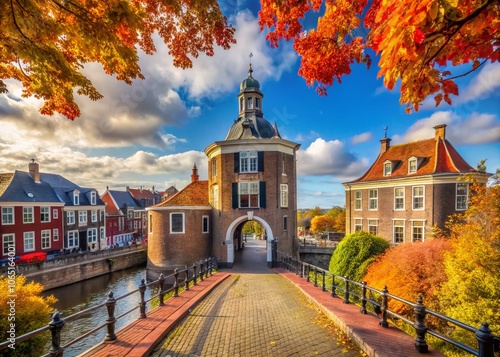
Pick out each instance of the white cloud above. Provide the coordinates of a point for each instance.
(329, 158)
(361, 138)
(485, 84)
(476, 129)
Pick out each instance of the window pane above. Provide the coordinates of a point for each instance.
(177, 223)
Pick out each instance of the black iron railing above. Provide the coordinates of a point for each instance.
(181, 279)
(361, 293)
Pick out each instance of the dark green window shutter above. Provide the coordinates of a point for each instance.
(235, 195)
(236, 162)
(262, 193)
(260, 161)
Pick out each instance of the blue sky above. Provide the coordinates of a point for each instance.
(151, 133)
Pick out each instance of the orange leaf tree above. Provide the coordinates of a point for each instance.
(45, 43)
(321, 224)
(413, 39)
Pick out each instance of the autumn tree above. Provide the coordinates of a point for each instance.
(409, 271)
(45, 44)
(415, 40)
(323, 223)
(472, 290)
(32, 311)
(355, 253)
(338, 214)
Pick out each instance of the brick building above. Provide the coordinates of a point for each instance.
(409, 189)
(251, 176)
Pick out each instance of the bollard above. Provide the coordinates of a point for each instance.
(161, 281)
(55, 327)
(363, 298)
(111, 320)
(195, 280)
(176, 285)
(383, 307)
(485, 340)
(142, 304)
(334, 293)
(323, 285)
(420, 328)
(346, 291)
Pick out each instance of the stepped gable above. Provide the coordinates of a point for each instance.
(194, 194)
(437, 156)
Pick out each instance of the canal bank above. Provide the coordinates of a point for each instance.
(65, 270)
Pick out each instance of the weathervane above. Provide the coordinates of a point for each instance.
(250, 56)
(385, 132)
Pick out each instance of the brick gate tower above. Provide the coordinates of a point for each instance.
(252, 176)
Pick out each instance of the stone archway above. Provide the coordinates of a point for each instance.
(230, 232)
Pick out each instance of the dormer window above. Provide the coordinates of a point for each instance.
(387, 168)
(412, 165)
(76, 197)
(93, 198)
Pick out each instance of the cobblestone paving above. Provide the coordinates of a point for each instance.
(255, 315)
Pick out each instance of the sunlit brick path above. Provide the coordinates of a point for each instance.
(254, 315)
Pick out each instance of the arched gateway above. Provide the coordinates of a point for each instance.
(251, 176)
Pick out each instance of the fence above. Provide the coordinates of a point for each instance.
(353, 291)
(181, 279)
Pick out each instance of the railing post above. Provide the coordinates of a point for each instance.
(176, 284)
(55, 327)
(161, 281)
(308, 273)
(420, 328)
(485, 341)
(315, 276)
(334, 293)
(142, 304)
(383, 307)
(201, 270)
(111, 320)
(346, 291)
(186, 278)
(297, 265)
(363, 297)
(195, 276)
(206, 268)
(323, 285)
(302, 269)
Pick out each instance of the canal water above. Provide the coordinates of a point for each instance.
(85, 294)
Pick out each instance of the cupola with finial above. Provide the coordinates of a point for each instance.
(250, 96)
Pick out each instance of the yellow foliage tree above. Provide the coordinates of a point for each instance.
(320, 224)
(24, 309)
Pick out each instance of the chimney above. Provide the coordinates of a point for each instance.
(385, 144)
(34, 171)
(440, 132)
(194, 175)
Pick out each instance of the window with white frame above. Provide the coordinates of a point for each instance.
(418, 197)
(7, 215)
(248, 194)
(358, 224)
(130, 213)
(92, 235)
(214, 167)
(462, 196)
(8, 243)
(373, 200)
(358, 200)
(284, 195)
(150, 223)
(137, 214)
(248, 161)
(82, 217)
(76, 197)
(72, 239)
(249, 103)
(93, 215)
(412, 165)
(257, 103)
(176, 222)
(398, 229)
(55, 213)
(44, 214)
(417, 231)
(387, 168)
(101, 215)
(204, 224)
(285, 223)
(283, 164)
(102, 233)
(93, 198)
(215, 196)
(55, 234)
(399, 199)
(46, 239)
(70, 215)
(29, 241)
(373, 226)
(28, 215)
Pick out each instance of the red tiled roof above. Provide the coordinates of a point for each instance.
(194, 194)
(435, 156)
(111, 209)
(137, 193)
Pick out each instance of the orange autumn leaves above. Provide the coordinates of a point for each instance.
(45, 44)
(412, 38)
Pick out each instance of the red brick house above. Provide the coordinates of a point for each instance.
(409, 189)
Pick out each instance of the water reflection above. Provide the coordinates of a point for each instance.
(80, 296)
